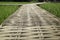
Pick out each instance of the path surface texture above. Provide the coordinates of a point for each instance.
(31, 22)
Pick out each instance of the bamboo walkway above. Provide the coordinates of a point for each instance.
(30, 22)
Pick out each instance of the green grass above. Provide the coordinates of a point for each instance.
(5, 11)
(54, 8)
(14, 3)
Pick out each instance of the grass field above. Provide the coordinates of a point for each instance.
(5, 11)
(54, 8)
(14, 3)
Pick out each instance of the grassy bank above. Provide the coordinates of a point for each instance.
(54, 8)
(5, 11)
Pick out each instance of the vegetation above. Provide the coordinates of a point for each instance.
(5, 11)
(54, 8)
(16, 0)
(14, 3)
(28, 0)
(34, 0)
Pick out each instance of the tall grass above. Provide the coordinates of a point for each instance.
(5, 11)
(54, 8)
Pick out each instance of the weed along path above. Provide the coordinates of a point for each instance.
(30, 22)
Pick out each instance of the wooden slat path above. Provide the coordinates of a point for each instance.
(31, 15)
(30, 22)
(30, 33)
